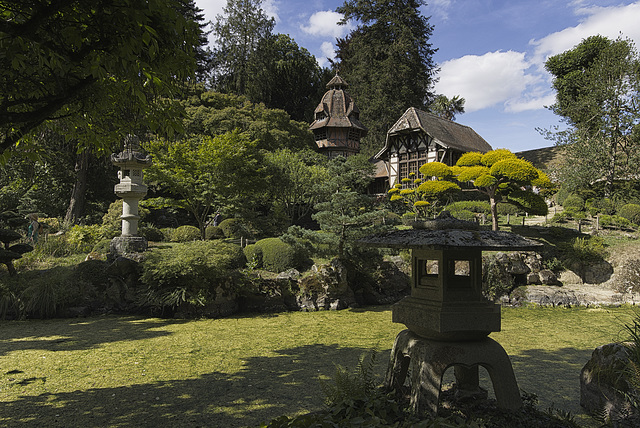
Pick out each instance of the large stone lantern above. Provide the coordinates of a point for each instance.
(131, 162)
(448, 320)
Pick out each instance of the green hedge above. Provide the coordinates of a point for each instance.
(185, 233)
(253, 254)
(631, 212)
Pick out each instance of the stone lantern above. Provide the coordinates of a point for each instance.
(447, 318)
(131, 161)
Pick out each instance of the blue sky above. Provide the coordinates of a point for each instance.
(491, 52)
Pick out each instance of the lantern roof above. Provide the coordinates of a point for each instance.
(447, 232)
(132, 153)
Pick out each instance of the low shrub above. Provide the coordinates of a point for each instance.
(278, 256)
(151, 233)
(82, 238)
(253, 254)
(631, 212)
(213, 232)
(574, 202)
(505, 208)
(613, 221)
(185, 233)
(583, 250)
(190, 273)
(102, 246)
(167, 233)
(601, 206)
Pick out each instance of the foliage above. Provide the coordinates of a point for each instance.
(233, 228)
(447, 108)
(151, 233)
(214, 232)
(238, 32)
(211, 113)
(574, 202)
(583, 250)
(189, 274)
(203, 171)
(501, 175)
(297, 183)
(185, 233)
(597, 92)
(81, 239)
(253, 254)
(115, 62)
(387, 60)
(278, 256)
(285, 76)
(631, 212)
(613, 221)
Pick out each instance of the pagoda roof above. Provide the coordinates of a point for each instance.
(445, 132)
(338, 107)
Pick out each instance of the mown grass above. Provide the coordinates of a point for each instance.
(240, 371)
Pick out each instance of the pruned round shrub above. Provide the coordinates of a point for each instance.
(232, 228)
(151, 233)
(278, 256)
(167, 233)
(213, 232)
(185, 233)
(253, 253)
(613, 221)
(505, 208)
(631, 212)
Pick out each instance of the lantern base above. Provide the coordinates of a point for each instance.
(448, 321)
(128, 244)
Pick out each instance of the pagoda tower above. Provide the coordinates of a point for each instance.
(337, 128)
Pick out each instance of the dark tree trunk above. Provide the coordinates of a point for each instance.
(77, 202)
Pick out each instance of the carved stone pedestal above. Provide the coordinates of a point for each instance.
(427, 360)
(128, 244)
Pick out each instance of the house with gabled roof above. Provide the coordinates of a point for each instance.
(419, 137)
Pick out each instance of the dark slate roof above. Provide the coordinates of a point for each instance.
(339, 109)
(545, 159)
(445, 132)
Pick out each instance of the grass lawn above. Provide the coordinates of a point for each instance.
(241, 371)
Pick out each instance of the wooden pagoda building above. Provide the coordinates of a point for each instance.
(419, 137)
(336, 127)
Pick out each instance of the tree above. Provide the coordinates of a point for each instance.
(296, 178)
(285, 76)
(213, 113)
(425, 198)
(204, 171)
(387, 60)
(500, 175)
(96, 68)
(597, 87)
(348, 214)
(447, 108)
(238, 32)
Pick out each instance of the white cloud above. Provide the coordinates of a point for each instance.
(328, 51)
(487, 80)
(606, 21)
(439, 9)
(325, 23)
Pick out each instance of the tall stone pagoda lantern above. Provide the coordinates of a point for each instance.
(131, 161)
(447, 318)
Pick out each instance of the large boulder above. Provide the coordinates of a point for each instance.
(603, 384)
(326, 288)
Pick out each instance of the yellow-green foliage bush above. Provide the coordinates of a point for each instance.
(278, 256)
(185, 233)
(233, 228)
(82, 238)
(213, 232)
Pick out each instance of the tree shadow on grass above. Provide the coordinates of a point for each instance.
(78, 334)
(265, 388)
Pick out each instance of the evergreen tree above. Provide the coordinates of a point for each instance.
(238, 32)
(447, 108)
(387, 60)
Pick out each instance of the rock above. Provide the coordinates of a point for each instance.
(533, 278)
(603, 383)
(547, 277)
(516, 265)
(291, 274)
(597, 272)
(326, 288)
(569, 295)
(570, 277)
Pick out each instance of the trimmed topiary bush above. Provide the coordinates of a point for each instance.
(631, 212)
(232, 228)
(185, 233)
(253, 253)
(277, 256)
(213, 232)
